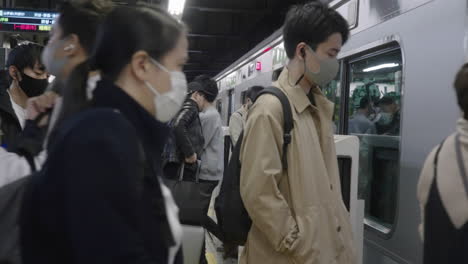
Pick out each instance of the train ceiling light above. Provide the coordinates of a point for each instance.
(176, 8)
(381, 66)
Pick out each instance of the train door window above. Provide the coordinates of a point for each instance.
(374, 116)
(333, 92)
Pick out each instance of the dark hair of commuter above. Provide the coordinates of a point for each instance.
(72, 37)
(312, 23)
(253, 92)
(461, 89)
(364, 103)
(110, 54)
(26, 55)
(210, 88)
(82, 18)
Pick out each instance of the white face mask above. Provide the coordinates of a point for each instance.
(168, 104)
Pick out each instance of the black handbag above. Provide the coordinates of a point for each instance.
(190, 197)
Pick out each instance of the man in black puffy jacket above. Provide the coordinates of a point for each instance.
(186, 143)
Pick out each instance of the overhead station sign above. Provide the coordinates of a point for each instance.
(26, 21)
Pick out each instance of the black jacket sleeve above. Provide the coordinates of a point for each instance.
(184, 119)
(102, 192)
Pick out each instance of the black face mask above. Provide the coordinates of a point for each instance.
(33, 87)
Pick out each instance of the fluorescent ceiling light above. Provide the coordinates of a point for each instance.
(381, 66)
(176, 7)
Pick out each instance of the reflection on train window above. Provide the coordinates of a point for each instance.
(333, 92)
(374, 116)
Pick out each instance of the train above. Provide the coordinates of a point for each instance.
(409, 50)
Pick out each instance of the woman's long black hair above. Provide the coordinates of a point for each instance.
(122, 33)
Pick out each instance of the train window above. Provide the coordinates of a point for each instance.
(374, 116)
(333, 92)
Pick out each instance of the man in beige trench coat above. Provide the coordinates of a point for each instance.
(298, 213)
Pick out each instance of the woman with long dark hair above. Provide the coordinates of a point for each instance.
(99, 197)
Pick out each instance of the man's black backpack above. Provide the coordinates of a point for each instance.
(233, 219)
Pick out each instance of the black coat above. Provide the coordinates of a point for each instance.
(9, 124)
(92, 203)
(188, 130)
(187, 136)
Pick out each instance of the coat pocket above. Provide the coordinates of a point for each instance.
(307, 249)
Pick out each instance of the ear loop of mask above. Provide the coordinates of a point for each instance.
(302, 76)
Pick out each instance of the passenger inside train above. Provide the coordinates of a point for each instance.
(234, 131)
(360, 123)
(390, 125)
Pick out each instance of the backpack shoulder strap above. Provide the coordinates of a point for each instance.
(288, 118)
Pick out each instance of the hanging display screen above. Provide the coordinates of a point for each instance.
(26, 21)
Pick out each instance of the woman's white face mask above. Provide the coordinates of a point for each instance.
(168, 104)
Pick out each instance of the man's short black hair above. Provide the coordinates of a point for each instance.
(312, 23)
(253, 92)
(461, 89)
(209, 87)
(364, 103)
(25, 55)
